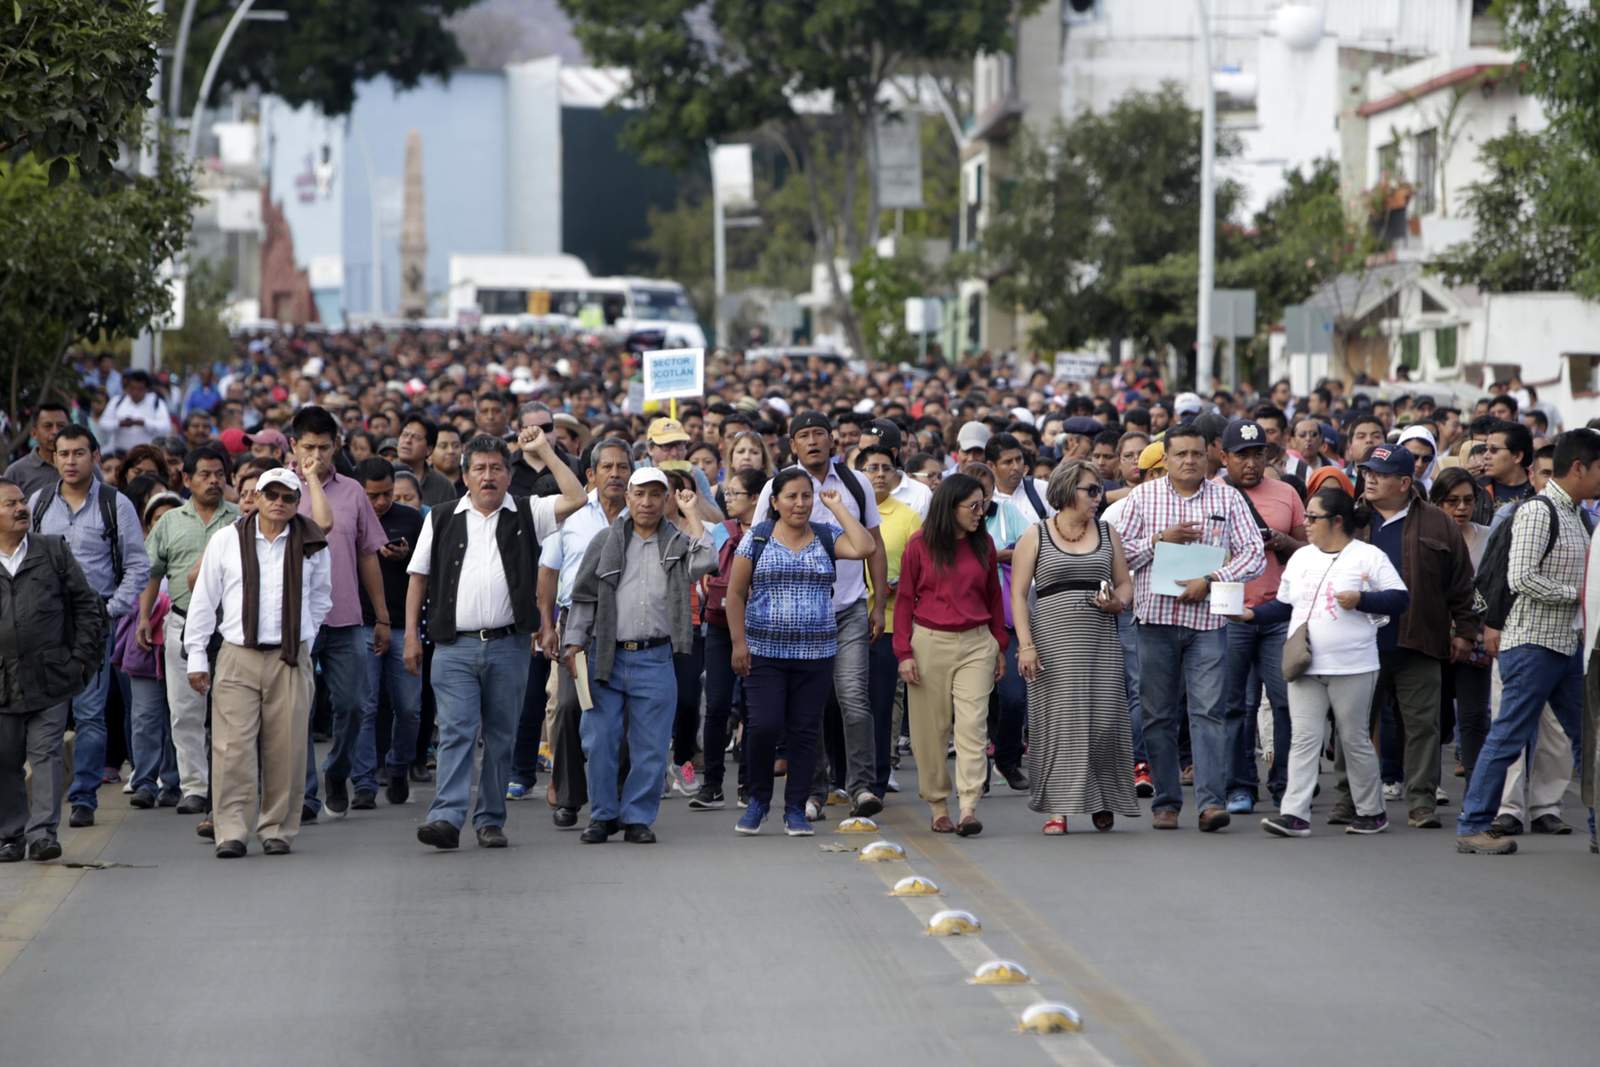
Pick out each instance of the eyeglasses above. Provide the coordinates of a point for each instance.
(927, 476)
(279, 496)
(977, 507)
(733, 494)
(1313, 516)
(1095, 491)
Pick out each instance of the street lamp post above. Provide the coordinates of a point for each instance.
(1205, 348)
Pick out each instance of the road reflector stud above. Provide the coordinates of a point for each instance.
(1000, 972)
(882, 852)
(857, 825)
(953, 923)
(914, 885)
(1050, 1018)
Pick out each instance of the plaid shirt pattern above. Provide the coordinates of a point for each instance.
(1547, 610)
(1224, 519)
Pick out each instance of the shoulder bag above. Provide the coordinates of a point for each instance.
(1297, 646)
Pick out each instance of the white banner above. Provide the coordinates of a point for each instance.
(674, 372)
(899, 162)
(1077, 366)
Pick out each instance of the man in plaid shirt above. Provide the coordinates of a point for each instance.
(1541, 649)
(1183, 648)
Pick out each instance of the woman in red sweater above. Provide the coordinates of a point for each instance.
(949, 633)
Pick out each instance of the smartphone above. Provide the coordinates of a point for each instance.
(398, 542)
(1106, 592)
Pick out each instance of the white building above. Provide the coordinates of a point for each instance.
(1282, 94)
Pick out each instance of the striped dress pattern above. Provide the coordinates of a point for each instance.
(1080, 742)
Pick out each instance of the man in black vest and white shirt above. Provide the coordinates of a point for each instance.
(483, 618)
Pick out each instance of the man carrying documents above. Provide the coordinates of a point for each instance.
(1182, 533)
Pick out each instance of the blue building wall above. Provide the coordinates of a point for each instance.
(463, 128)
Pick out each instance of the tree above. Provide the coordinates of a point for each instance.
(1092, 201)
(325, 49)
(1528, 214)
(79, 263)
(71, 72)
(705, 73)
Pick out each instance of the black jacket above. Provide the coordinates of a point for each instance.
(52, 629)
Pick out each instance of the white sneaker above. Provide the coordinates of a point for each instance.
(684, 780)
(1440, 796)
(894, 783)
(1393, 791)
(127, 787)
(813, 811)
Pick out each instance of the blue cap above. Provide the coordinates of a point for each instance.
(1390, 459)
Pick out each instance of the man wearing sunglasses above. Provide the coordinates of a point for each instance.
(271, 577)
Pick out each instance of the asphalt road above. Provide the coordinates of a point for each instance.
(364, 947)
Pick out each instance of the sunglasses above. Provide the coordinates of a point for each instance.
(1313, 516)
(280, 496)
(1095, 491)
(977, 507)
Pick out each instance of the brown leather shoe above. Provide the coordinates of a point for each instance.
(1164, 819)
(1213, 819)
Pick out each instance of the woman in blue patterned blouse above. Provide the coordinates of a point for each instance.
(780, 616)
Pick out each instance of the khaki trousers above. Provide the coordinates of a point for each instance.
(257, 699)
(957, 671)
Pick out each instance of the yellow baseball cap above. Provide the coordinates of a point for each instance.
(667, 432)
(1153, 456)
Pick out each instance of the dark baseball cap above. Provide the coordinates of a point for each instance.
(1243, 435)
(808, 419)
(1390, 459)
(886, 432)
(1083, 425)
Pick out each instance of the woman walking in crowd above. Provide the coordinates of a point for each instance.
(155, 764)
(1080, 741)
(1341, 590)
(739, 497)
(784, 637)
(950, 636)
(1467, 683)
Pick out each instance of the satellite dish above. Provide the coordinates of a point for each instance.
(1298, 25)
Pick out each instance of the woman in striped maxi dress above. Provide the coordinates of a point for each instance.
(1079, 736)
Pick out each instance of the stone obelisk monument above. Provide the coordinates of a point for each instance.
(413, 236)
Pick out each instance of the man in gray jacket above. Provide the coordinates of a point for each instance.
(629, 615)
(52, 639)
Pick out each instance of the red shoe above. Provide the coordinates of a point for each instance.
(1143, 785)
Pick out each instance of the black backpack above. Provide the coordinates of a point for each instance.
(761, 533)
(1493, 580)
(108, 521)
(852, 485)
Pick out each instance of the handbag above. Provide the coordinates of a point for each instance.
(1297, 646)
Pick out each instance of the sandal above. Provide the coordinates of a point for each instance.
(1055, 827)
(969, 826)
(943, 825)
(1103, 820)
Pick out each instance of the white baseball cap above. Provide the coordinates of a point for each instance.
(279, 476)
(972, 435)
(648, 476)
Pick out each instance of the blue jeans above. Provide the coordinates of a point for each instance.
(1128, 634)
(89, 719)
(1177, 661)
(153, 756)
(639, 700)
(855, 707)
(1258, 648)
(1531, 676)
(386, 677)
(1008, 707)
(883, 677)
(477, 685)
(340, 654)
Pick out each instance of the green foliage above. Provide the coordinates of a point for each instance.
(325, 49)
(72, 74)
(80, 263)
(1559, 43)
(1093, 202)
(880, 287)
(704, 73)
(1533, 215)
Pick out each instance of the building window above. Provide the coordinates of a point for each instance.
(1411, 351)
(1585, 373)
(1389, 162)
(1427, 198)
(974, 204)
(1444, 347)
(974, 319)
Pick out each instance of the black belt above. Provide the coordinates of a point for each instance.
(640, 646)
(488, 635)
(1083, 584)
(180, 612)
(276, 647)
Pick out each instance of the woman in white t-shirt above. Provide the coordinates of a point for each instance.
(1344, 589)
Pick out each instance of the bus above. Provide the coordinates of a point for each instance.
(510, 292)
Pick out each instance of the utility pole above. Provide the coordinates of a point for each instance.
(1205, 348)
(147, 346)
